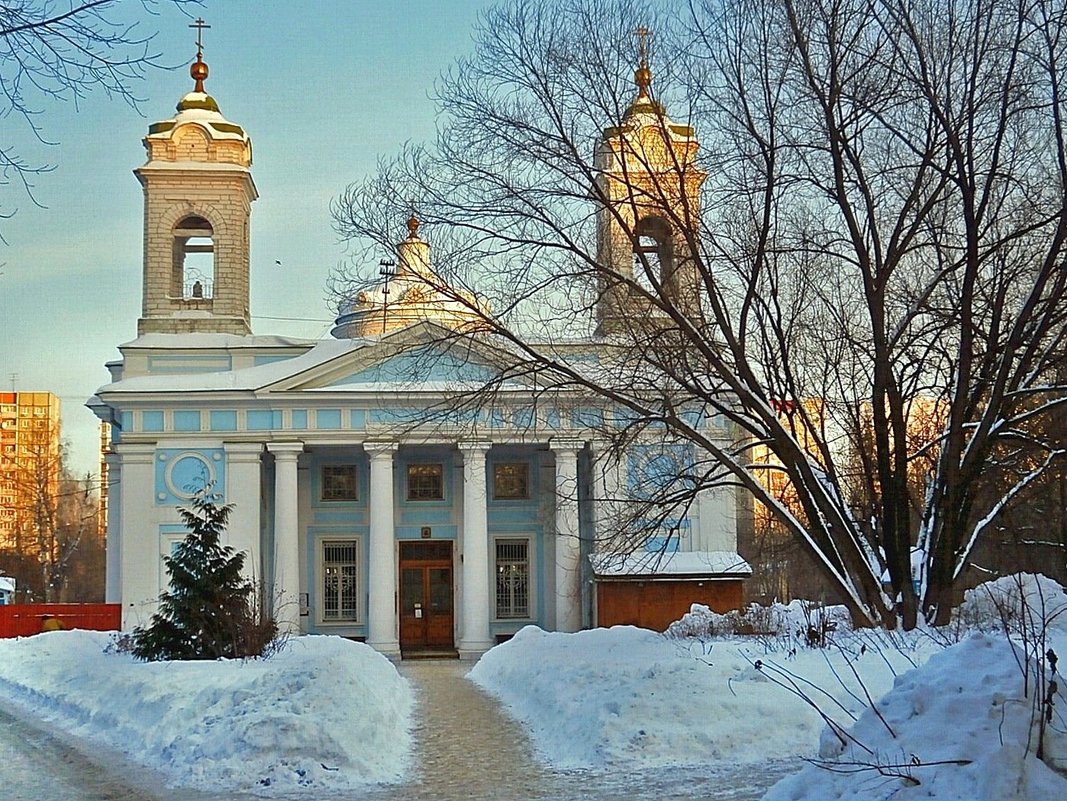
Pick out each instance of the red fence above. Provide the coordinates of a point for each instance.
(21, 620)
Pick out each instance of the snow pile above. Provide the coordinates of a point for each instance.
(802, 619)
(999, 604)
(630, 696)
(323, 714)
(964, 709)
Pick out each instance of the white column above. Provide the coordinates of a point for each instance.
(140, 566)
(381, 612)
(243, 462)
(113, 544)
(286, 589)
(568, 551)
(476, 602)
(603, 497)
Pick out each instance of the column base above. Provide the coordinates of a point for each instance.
(389, 648)
(473, 650)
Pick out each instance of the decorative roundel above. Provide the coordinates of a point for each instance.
(189, 473)
(661, 468)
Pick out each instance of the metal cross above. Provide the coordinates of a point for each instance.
(642, 43)
(199, 25)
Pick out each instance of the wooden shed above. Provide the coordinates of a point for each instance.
(652, 590)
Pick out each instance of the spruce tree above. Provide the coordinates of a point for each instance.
(209, 610)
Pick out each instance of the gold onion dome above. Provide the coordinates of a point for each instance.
(198, 72)
(643, 103)
(413, 227)
(643, 79)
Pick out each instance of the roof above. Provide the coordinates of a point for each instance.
(689, 564)
(7, 584)
(198, 341)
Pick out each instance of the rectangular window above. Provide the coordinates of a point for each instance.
(339, 599)
(426, 482)
(511, 481)
(512, 578)
(339, 482)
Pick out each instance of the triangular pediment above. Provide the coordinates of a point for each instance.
(431, 363)
(424, 356)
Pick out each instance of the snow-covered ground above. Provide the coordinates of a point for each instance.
(326, 716)
(629, 697)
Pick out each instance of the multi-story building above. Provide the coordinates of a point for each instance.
(29, 462)
(105, 450)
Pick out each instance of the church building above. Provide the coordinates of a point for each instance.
(370, 502)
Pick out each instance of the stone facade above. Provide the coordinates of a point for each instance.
(197, 186)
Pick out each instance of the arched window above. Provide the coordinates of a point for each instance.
(194, 259)
(653, 253)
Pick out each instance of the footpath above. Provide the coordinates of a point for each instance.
(467, 748)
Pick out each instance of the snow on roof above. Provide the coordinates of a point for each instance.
(207, 341)
(7, 584)
(249, 378)
(680, 563)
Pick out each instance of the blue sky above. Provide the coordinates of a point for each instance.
(324, 89)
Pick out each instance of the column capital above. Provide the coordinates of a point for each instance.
(566, 445)
(135, 452)
(380, 450)
(286, 451)
(600, 447)
(474, 446)
(243, 451)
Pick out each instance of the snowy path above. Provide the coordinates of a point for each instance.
(468, 749)
(34, 765)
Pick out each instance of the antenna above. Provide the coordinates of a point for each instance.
(14, 377)
(387, 270)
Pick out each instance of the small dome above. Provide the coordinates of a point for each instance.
(198, 101)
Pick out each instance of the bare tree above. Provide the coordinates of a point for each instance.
(872, 229)
(57, 534)
(53, 50)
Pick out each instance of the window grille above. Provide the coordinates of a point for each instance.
(339, 598)
(512, 578)
(339, 482)
(426, 482)
(511, 481)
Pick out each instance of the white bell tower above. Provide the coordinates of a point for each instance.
(198, 193)
(648, 173)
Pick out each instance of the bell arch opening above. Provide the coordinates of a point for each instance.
(193, 273)
(653, 254)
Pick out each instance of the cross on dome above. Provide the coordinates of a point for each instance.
(642, 75)
(198, 69)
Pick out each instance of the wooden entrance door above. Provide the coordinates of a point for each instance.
(426, 613)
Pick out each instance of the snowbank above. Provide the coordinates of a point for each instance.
(798, 618)
(323, 714)
(1020, 602)
(629, 696)
(965, 705)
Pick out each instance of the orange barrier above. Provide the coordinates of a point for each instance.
(22, 620)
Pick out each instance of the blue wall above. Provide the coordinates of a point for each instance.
(350, 519)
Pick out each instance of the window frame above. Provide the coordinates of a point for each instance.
(320, 580)
(531, 599)
(527, 489)
(408, 496)
(355, 482)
